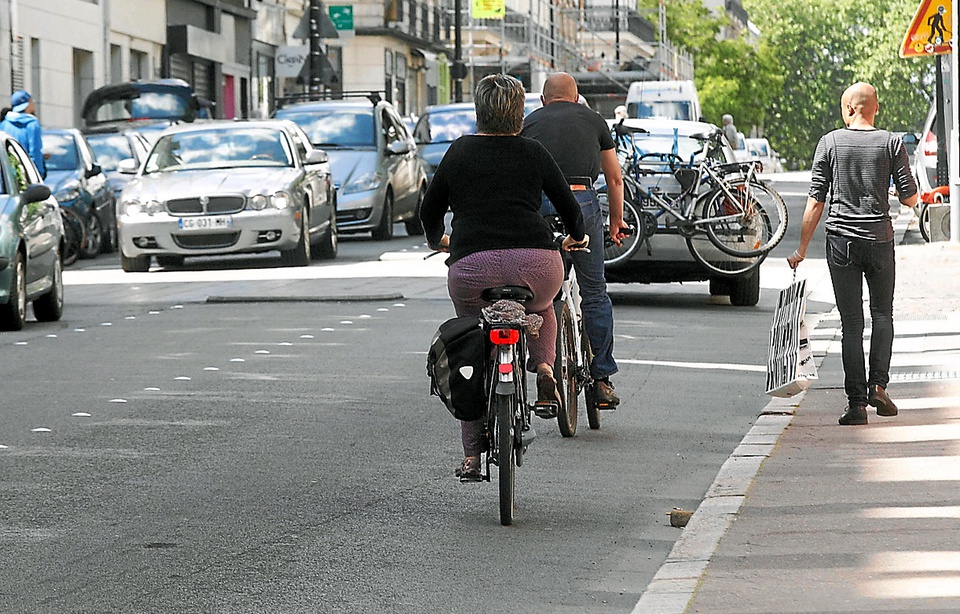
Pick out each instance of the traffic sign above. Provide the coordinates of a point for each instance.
(929, 33)
(342, 17)
(488, 9)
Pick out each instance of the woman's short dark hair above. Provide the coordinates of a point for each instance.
(499, 101)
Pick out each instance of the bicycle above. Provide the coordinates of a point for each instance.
(508, 425)
(574, 354)
(728, 217)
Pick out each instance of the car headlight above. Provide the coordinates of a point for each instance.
(70, 191)
(364, 182)
(258, 202)
(135, 207)
(130, 207)
(280, 200)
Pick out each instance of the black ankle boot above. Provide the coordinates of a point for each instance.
(855, 414)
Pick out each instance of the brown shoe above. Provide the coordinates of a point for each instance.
(548, 398)
(882, 401)
(604, 395)
(856, 414)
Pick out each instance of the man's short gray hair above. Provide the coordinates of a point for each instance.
(499, 102)
(727, 118)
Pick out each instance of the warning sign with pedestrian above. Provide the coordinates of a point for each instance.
(929, 32)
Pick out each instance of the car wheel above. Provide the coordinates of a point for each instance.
(745, 290)
(94, 239)
(49, 307)
(111, 240)
(299, 255)
(327, 249)
(384, 230)
(137, 264)
(719, 286)
(413, 225)
(14, 313)
(170, 261)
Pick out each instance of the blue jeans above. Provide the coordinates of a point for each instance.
(595, 302)
(850, 262)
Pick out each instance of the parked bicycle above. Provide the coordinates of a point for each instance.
(728, 217)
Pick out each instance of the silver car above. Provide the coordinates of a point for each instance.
(228, 187)
(380, 179)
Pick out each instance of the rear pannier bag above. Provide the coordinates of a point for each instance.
(455, 367)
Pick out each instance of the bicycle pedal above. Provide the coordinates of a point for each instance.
(603, 405)
(546, 409)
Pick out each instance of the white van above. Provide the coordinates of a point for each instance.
(665, 99)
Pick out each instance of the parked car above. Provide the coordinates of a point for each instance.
(761, 150)
(664, 257)
(110, 148)
(224, 187)
(378, 176)
(31, 240)
(146, 105)
(78, 183)
(925, 154)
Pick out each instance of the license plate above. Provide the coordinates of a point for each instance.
(215, 222)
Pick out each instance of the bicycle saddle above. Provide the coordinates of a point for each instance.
(520, 294)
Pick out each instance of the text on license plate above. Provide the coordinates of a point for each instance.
(213, 222)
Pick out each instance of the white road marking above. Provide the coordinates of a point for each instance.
(694, 365)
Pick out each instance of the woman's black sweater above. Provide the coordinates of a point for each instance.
(493, 185)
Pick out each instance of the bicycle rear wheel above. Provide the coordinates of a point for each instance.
(504, 405)
(760, 223)
(565, 370)
(614, 255)
(705, 251)
(593, 411)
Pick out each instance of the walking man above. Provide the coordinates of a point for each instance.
(580, 142)
(854, 166)
(20, 123)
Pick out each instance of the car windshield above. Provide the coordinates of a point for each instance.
(60, 152)
(109, 149)
(335, 127)
(669, 109)
(219, 149)
(446, 126)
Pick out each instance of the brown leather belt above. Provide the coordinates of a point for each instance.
(578, 187)
(579, 184)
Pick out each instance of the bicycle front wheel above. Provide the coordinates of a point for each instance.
(506, 454)
(614, 255)
(565, 369)
(750, 224)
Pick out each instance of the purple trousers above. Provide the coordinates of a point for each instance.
(541, 270)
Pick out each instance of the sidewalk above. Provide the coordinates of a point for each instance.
(841, 519)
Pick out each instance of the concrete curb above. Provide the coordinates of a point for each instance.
(673, 586)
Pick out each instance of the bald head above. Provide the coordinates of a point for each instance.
(859, 100)
(560, 86)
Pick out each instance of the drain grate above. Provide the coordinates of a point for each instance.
(929, 376)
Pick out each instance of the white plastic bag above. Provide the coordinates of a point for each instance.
(790, 365)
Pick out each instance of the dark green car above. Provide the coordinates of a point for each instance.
(31, 241)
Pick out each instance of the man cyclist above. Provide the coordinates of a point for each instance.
(580, 142)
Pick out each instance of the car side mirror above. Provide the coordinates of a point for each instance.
(94, 171)
(316, 156)
(910, 139)
(127, 166)
(35, 193)
(398, 148)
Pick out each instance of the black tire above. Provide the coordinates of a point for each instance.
(506, 454)
(924, 222)
(615, 255)
(565, 370)
(413, 225)
(111, 239)
(136, 264)
(72, 238)
(719, 286)
(49, 307)
(93, 235)
(745, 291)
(748, 235)
(384, 230)
(327, 250)
(593, 411)
(299, 255)
(13, 314)
(170, 260)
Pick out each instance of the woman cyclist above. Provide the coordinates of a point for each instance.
(492, 182)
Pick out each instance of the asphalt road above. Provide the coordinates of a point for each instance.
(166, 454)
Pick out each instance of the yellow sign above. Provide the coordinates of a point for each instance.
(488, 9)
(929, 33)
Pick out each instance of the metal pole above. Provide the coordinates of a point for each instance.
(954, 132)
(316, 60)
(941, 128)
(458, 66)
(616, 31)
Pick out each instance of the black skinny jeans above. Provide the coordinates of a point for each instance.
(850, 262)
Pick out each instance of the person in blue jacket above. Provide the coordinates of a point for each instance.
(20, 123)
